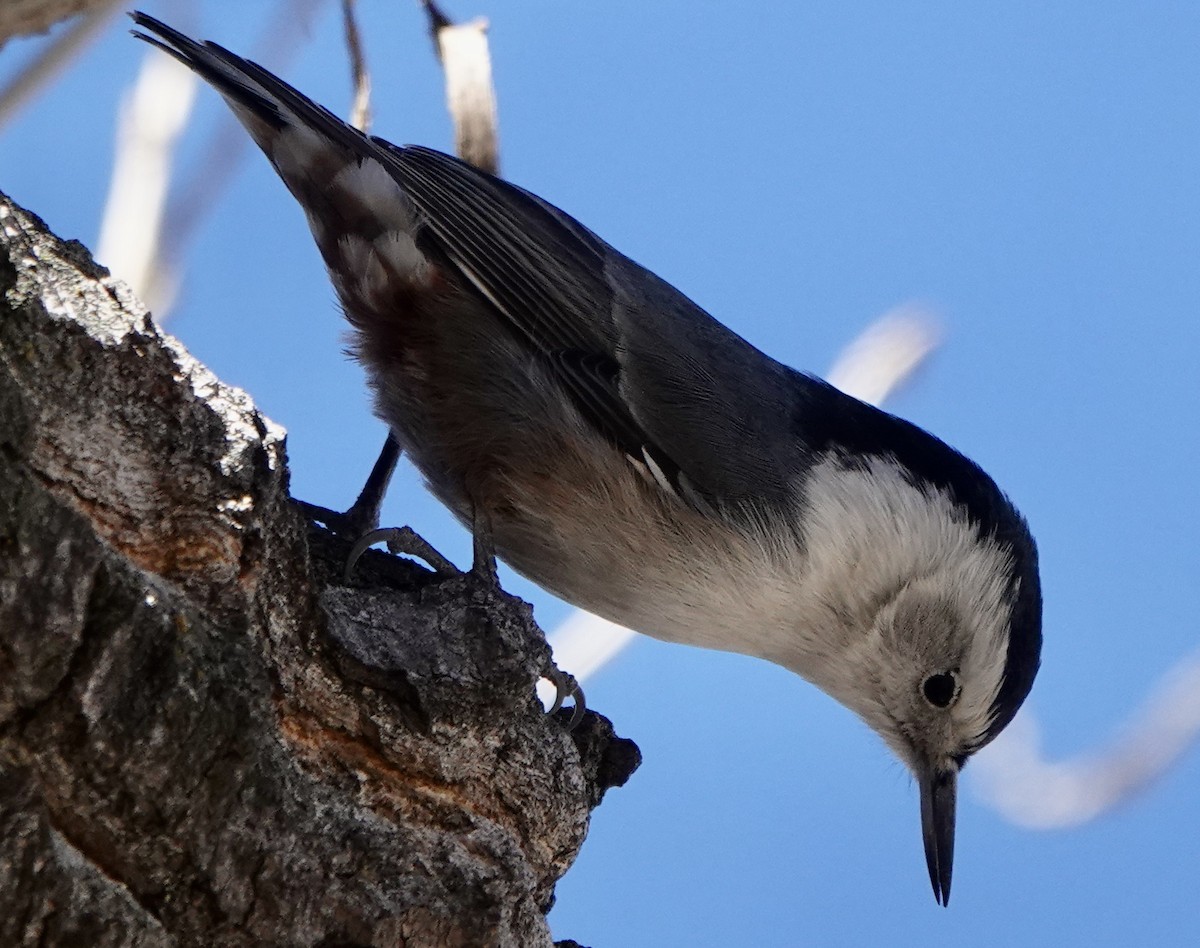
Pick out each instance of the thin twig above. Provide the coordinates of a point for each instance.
(152, 115)
(437, 21)
(470, 95)
(1026, 787)
(360, 110)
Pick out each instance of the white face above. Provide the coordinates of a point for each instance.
(902, 613)
(906, 610)
(933, 667)
(934, 676)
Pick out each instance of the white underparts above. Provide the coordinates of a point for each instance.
(815, 606)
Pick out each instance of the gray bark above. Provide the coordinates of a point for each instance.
(205, 737)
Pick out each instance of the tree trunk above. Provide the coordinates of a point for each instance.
(206, 737)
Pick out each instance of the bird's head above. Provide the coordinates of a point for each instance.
(912, 544)
(938, 670)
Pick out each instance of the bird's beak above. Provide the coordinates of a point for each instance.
(939, 790)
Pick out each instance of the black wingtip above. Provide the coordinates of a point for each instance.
(169, 40)
(148, 22)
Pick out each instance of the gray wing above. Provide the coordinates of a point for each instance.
(711, 416)
(673, 388)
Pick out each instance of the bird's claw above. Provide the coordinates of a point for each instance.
(400, 540)
(565, 686)
(406, 541)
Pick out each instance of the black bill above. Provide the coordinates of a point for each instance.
(939, 791)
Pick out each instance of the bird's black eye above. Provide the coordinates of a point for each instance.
(941, 689)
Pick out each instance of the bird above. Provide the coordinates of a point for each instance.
(612, 441)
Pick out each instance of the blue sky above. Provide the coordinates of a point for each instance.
(1028, 170)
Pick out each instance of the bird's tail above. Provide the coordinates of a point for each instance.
(360, 213)
(263, 102)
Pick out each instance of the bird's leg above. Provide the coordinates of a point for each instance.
(484, 546)
(361, 521)
(363, 515)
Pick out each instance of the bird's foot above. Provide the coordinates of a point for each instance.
(406, 541)
(355, 522)
(400, 540)
(363, 515)
(565, 686)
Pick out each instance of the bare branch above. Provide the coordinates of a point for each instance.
(142, 241)
(470, 96)
(152, 116)
(885, 356)
(360, 110)
(60, 52)
(1014, 777)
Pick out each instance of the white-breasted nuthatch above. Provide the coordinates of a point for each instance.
(633, 456)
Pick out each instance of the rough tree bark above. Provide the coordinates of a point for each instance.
(205, 737)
